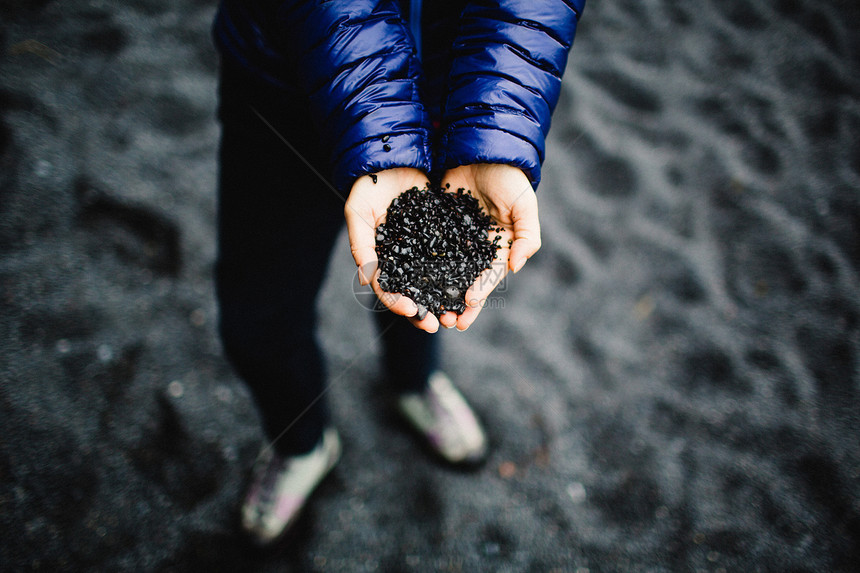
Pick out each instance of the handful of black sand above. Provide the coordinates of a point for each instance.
(432, 247)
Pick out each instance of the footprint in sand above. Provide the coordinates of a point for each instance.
(134, 233)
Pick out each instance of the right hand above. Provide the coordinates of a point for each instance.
(505, 194)
(365, 210)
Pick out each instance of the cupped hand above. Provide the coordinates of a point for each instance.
(505, 193)
(365, 210)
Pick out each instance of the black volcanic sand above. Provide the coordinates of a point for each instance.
(432, 247)
(671, 384)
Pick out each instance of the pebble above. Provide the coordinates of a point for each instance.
(577, 492)
(432, 247)
(175, 389)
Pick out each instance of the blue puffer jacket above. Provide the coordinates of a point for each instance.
(395, 84)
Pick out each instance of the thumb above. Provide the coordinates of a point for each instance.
(362, 240)
(526, 229)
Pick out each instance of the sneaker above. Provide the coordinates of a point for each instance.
(442, 416)
(281, 485)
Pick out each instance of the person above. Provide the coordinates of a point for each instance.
(328, 111)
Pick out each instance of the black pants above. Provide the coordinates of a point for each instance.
(277, 222)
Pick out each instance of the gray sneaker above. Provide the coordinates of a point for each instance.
(280, 487)
(445, 420)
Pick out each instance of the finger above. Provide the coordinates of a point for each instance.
(395, 302)
(468, 316)
(521, 251)
(448, 319)
(367, 263)
(362, 245)
(485, 284)
(362, 242)
(428, 324)
(526, 230)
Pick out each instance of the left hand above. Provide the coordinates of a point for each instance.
(365, 210)
(505, 194)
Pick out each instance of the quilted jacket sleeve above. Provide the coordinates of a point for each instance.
(359, 67)
(505, 80)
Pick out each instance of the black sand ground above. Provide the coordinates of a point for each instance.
(671, 384)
